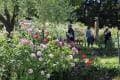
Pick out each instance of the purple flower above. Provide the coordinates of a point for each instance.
(47, 75)
(47, 33)
(30, 70)
(23, 41)
(42, 72)
(51, 55)
(33, 55)
(39, 53)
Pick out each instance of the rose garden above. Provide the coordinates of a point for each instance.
(34, 45)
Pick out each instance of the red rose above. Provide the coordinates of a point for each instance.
(45, 40)
(37, 36)
(88, 64)
(84, 56)
(76, 68)
(91, 60)
(76, 47)
(72, 42)
(80, 52)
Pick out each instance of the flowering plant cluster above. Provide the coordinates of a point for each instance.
(38, 57)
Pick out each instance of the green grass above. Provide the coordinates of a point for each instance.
(117, 78)
(110, 60)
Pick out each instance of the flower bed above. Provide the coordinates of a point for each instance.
(36, 56)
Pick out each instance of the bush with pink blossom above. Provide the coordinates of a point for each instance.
(36, 57)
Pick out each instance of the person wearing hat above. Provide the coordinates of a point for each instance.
(70, 33)
(107, 36)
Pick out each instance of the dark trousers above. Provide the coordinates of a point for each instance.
(90, 41)
(106, 42)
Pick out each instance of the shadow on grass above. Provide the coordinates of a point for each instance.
(91, 73)
(100, 51)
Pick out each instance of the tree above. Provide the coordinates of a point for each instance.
(56, 11)
(107, 11)
(7, 18)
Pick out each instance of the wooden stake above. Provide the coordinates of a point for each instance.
(118, 46)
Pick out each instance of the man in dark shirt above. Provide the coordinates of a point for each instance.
(107, 36)
(70, 33)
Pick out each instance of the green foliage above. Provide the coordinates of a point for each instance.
(54, 10)
(25, 52)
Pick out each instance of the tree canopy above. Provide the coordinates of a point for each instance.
(60, 11)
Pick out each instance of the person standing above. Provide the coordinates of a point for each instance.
(70, 33)
(90, 37)
(107, 36)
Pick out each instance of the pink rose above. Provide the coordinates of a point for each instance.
(56, 41)
(33, 55)
(23, 41)
(40, 59)
(22, 28)
(42, 72)
(27, 24)
(6, 32)
(30, 42)
(63, 65)
(71, 56)
(51, 55)
(43, 46)
(47, 75)
(75, 50)
(39, 53)
(29, 30)
(21, 23)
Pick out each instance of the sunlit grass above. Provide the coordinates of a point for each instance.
(111, 60)
(117, 78)
(108, 62)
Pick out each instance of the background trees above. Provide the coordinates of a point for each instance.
(54, 10)
(107, 11)
(60, 11)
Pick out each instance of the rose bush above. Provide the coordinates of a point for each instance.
(30, 56)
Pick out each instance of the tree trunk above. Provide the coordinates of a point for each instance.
(96, 28)
(9, 21)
